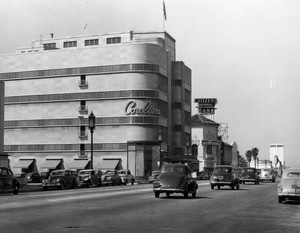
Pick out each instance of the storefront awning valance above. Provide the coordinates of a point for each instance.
(24, 163)
(109, 164)
(79, 164)
(51, 163)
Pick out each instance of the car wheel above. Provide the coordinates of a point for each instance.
(168, 194)
(238, 187)
(280, 199)
(232, 186)
(156, 194)
(194, 194)
(212, 186)
(219, 186)
(16, 189)
(132, 182)
(185, 195)
(62, 186)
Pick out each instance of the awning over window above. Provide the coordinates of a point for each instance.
(109, 164)
(51, 163)
(79, 164)
(24, 163)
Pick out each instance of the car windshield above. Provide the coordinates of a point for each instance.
(294, 174)
(174, 169)
(84, 172)
(249, 170)
(222, 170)
(57, 173)
(109, 172)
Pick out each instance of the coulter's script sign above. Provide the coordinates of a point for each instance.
(143, 108)
(206, 106)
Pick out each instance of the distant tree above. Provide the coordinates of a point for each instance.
(243, 162)
(248, 155)
(255, 154)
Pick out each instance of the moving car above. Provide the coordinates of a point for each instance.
(267, 174)
(88, 178)
(175, 178)
(204, 175)
(111, 177)
(126, 176)
(223, 175)
(33, 177)
(153, 176)
(249, 174)
(8, 180)
(60, 179)
(289, 186)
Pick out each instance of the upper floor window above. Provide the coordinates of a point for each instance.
(113, 40)
(49, 46)
(69, 44)
(91, 42)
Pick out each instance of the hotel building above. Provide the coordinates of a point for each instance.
(139, 93)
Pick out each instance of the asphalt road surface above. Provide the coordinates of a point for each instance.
(253, 208)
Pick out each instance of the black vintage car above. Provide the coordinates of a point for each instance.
(175, 178)
(8, 181)
(60, 179)
(224, 175)
(89, 178)
(249, 174)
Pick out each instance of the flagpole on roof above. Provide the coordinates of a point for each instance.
(164, 15)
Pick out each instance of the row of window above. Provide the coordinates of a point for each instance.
(75, 122)
(91, 42)
(67, 147)
(80, 71)
(81, 96)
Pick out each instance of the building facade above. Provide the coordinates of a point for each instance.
(277, 154)
(130, 81)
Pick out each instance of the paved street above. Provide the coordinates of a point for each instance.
(253, 208)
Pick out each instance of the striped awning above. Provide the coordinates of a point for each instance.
(79, 164)
(24, 163)
(51, 163)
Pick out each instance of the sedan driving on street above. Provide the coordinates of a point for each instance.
(249, 174)
(126, 177)
(175, 178)
(88, 178)
(289, 186)
(223, 175)
(267, 174)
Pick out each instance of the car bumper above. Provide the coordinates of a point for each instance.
(215, 182)
(247, 180)
(171, 190)
(51, 185)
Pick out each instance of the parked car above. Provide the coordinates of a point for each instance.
(89, 178)
(45, 175)
(204, 175)
(126, 176)
(249, 175)
(33, 177)
(111, 177)
(238, 171)
(153, 176)
(60, 179)
(8, 181)
(289, 186)
(175, 178)
(224, 175)
(267, 174)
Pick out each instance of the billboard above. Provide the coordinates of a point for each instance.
(206, 106)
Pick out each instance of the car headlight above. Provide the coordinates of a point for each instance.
(86, 179)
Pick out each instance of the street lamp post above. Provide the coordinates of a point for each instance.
(92, 121)
(238, 158)
(159, 138)
(187, 150)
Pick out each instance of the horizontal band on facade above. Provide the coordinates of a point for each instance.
(65, 147)
(76, 122)
(83, 71)
(81, 96)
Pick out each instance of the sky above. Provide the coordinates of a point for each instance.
(245, 53)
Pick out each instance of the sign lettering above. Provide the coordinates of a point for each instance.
(147, 109)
